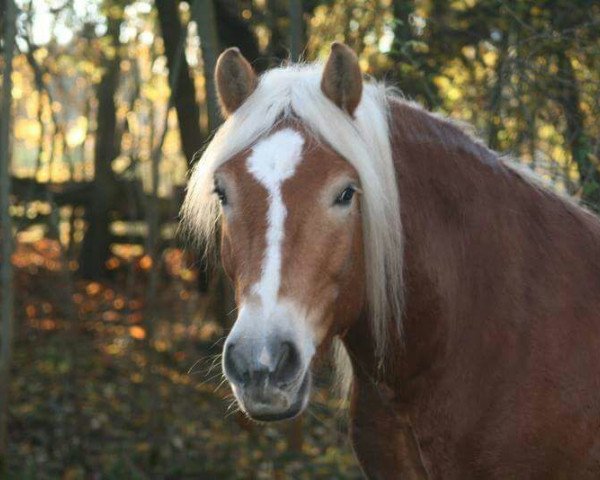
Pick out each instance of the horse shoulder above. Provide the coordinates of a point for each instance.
(382, 435)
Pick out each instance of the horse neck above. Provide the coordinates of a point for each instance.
(466, 220)
(433, 180)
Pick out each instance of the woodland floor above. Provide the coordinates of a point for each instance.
(93, 398)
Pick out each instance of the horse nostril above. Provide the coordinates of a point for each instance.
(234, 365)
(244, 369)
(288, 363)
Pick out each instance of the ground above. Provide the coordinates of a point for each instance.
(93, 397)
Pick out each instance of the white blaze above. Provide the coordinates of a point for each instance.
(272, 161)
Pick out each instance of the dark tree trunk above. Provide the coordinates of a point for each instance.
(203, 12)
(6, 237)
(575, 136)
(184, 100)
(96, 242)
(297, 29)
(278, 45)
(234, 31)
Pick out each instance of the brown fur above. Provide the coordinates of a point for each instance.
(342, 79)
(500, 370)
(242, 235)
(235, 80)
(319, 253)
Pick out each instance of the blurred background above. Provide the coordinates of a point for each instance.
(111, 328)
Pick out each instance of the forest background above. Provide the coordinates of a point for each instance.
(111, 327)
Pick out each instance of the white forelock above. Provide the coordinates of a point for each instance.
(364, 141)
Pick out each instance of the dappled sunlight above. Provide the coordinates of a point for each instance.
(119, 318)
(93, 357)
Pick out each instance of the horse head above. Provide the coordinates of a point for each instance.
(291, 242)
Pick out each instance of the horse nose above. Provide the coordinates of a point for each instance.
(287, 364)
(280, 364)
(236, 366)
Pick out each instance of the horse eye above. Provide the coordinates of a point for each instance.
(345, 197)
(220, 192)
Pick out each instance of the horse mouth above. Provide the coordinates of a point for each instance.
(274, 417)
(272, 404)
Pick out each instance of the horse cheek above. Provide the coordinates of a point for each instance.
(227, 260)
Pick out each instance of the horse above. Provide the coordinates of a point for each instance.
(463, 294)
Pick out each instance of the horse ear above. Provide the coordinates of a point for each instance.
(342, 79)
(235, 80)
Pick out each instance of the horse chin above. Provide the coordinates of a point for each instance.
(273, 404)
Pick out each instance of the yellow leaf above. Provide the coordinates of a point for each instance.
(137, 332)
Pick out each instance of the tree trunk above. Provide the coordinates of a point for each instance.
(278, 51)
(296, 30)
(6, 272)
(184, 99)
(234, 31)
(575, 136)
(204, 15)
(96, 242)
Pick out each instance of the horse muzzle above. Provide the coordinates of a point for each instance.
(269, 380)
